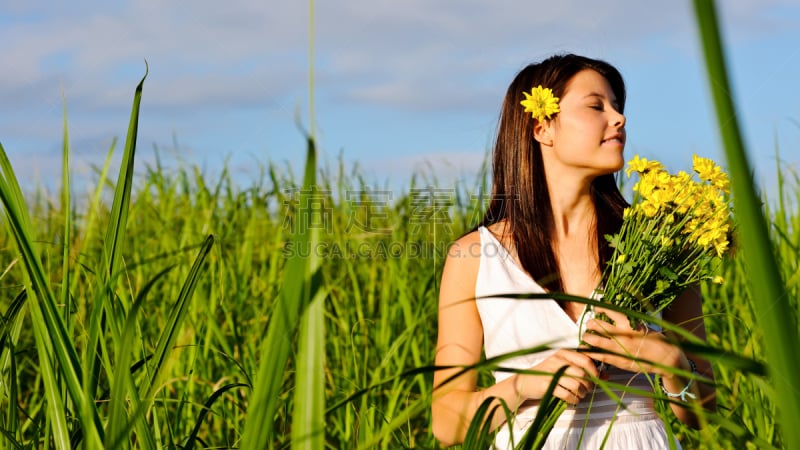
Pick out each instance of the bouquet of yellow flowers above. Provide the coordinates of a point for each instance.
(672, 236)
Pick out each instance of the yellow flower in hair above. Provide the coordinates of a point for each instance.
(540, 103)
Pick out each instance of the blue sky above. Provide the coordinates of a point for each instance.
(399, 86)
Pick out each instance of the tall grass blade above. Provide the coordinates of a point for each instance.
(66, 209)
(190, 442)
(550, 408)
(773, 309)
(122, 194)
(56, 413)
(298, 287)
(11, 422)
(104, 312)
(478, 433)
(308, 416)
(120, 382)
(9, 335)
(176, 317)
(48, 327)
(91, 359)
(123, 389)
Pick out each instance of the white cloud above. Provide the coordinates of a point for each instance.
(369, 51)
(208, 58)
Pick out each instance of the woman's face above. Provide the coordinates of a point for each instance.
(588, 134)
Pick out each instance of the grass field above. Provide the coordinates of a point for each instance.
(298, 310)
(380, 263)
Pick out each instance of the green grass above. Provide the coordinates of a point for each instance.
(160, 367)
(143, 387)
(194, 312)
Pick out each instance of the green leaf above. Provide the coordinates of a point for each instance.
(123, 389)
(66, 207)
(550, 408)
(775, 314)
(9, 335)
(190, 441)
(122, 194)
(175, 320)
(49, 330)
(667, 273)
(308, 420)
(299, 287)
(479, 433)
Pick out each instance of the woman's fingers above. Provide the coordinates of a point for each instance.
(579, 369)
(615, 343)
(599, 327)
(567, 395)
(573, 383)
(620, 327)
(616, 322)
(620, 320)
(628, 363)
(628, 350)
(570, 389)
(574, 379)
(579, 360)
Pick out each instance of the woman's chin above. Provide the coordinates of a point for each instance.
(612, 167)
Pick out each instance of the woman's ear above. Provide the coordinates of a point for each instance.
(543, 132)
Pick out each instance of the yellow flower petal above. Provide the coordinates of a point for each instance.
(541, 103)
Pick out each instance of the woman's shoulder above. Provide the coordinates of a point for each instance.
(466, 246)
(463, 262)
(460, 272)
(469, 246)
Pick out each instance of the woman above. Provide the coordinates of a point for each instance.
(554, 197)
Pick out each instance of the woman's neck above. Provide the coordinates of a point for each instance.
(570, 198)
(573, 208)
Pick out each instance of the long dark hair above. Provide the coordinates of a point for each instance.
(519, 186)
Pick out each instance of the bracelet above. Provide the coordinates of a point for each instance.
(685, 391)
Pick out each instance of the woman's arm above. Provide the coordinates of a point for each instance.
(460, 342)
(686, 312)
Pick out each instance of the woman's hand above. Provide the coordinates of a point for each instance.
(573, 385)
(643, 350)
(631, 349)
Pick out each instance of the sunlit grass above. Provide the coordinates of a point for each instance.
(379, 268)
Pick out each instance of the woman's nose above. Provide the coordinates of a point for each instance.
(619, 120)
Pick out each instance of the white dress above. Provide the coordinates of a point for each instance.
(515, 324)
